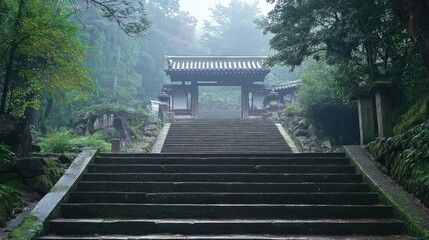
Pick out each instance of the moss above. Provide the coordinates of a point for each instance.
(405, 158)
(28, 229)
(10, 201)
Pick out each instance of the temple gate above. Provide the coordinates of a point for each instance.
(187, 73)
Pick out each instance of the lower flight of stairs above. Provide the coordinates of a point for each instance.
(229, 196)
(224, 136)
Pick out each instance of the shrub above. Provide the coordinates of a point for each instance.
(64, 141)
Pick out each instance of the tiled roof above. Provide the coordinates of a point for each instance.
(215, 63)
(288, 86)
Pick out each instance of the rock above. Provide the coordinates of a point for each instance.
(16, 133)
(102, 122)
(313, 138)
(122, 133)
(304, 123)
(150, 127)
(6, 176)
(31, 167)
(151, 133)
(80, 129)
(151, 120)
(300, 132)
(41, 184)
(312, 129)
(326, 144)
(36, 148)
(65, 159)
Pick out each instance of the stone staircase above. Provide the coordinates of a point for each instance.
(224, 136)
(223, 196)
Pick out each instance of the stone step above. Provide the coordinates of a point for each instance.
(228, 237)
(361, 198)
(226, 227)
(223, 160)
(219, 177)
(219, 187)
(223, 211)
(230, 155)
(218, 168)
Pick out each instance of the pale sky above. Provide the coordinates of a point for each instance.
(200, 8)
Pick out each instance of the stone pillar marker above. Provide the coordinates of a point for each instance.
(116, 145)
(164, 98)
(383, 103)
(366, 119)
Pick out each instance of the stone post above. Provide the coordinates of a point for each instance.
(164, 107)
(116, 145)
(366, 119)
(383, 103)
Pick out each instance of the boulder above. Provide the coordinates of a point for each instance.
(300, 132)
(41, 184)
(15, 133)
(312, 129)
(103, 122)
(150, 127)
(327, 144)
(31, 167)
(151, 133)
(65, 159)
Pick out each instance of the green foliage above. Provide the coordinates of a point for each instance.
(28, 229)
(64, 141)
(42, 49)
(405, 158)
(118, 110)
(319, 90)
(10, 199)
(6, 155)
(218, 98)
(55, 169)
(417, 114)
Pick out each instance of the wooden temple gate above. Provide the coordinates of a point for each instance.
(187, 73)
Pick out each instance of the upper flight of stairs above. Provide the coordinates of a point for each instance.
(224, 136)
(223, 196)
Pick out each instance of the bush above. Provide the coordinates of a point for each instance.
(6, 155)
(405, 158)
(64, 141)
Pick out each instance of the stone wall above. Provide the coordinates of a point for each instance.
(307, 135)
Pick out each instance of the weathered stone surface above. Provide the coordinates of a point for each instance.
(31, 167)
(151, 133)
(15, 133)
(300, 132)
(327, 144)
(102, 122)
(312, 129)
(150, 127)
(122, 133)
(41, 184)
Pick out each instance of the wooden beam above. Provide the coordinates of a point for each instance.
(194, 99)
(245, 89)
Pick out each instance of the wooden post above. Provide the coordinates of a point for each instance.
(366, 120)
(194, 99)
(245, 101)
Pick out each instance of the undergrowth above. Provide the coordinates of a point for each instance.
(64, 141)
(10, 200)
(405, 158)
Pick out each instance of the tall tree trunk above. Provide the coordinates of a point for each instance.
(415, 14)
(11, 58)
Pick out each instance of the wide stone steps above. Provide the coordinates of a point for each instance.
(332, 198)
(230, 196)
(227, 226)
(222, 136)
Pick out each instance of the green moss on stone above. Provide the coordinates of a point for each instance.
(28, 229)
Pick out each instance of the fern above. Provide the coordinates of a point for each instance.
(417, 114)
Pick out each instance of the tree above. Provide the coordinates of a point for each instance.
(233, 31)
(415, 15)
(128, 14)
(41, 52)
(362, 38)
